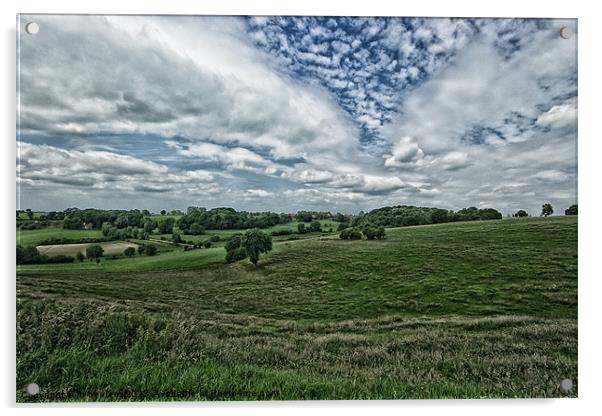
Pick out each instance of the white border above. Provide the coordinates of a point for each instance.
(589, 224)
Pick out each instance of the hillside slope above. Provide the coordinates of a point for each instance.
(479, 309)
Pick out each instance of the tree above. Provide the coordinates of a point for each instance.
(141, 249)
(234, 249)
(80, 256)
(350, 234)
(28, 255)
(572, 210)
(150, 225)
(439, 216)
(256, 242)
(176, 238)
(94, 252)
(196, 229)
(130, 251)
(546, 209)
(521, 213)
(151, 250)
(29, 213)
(163, 212)
(301, 228)
(166, 226)
(315, 226)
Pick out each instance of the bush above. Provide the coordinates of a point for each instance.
(207, 244)
(60, 259)
(342, 226)
(236, 255)
(301, 228)
(28, 255)
(129, 252)
(151, 250)
(196, 229)
(371, 232)
(315, 226)
(94, 252)
(282, 232)
(214, 238)
(350, 234)
(80, 256)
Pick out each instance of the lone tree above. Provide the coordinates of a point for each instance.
(80, 256)
(163, 212)
(572, 210)
(94, 252)
(546, 209)
(521, 213)
(130, 252)
(256, 242)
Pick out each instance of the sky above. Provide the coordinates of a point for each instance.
(282, 114)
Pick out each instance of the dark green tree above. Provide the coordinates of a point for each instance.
(129, 252)
(166, 226)
(521, 213)
(572, 210)
(256, 242)
(315, 226)
(94, 252)
(546, 210)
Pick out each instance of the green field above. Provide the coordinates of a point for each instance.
(462, 310)
(35, 237)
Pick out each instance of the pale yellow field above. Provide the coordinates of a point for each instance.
(110, 248)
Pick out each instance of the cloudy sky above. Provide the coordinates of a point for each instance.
(290, 113)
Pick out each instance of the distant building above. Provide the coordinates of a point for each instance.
(88, 225)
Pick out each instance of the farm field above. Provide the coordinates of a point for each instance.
(110, 248)
(462, 310)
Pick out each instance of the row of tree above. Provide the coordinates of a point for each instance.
(370, 231)
(406, 215)
(546, 210)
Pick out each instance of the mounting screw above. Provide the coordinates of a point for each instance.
(565, 32)
(32, 389)
(32, 28)
(566, 386)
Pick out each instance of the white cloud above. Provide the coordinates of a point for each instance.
(559, 116)
(404, 151)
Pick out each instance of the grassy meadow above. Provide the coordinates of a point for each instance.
(456, 310)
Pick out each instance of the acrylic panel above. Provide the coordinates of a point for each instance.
(295, 208)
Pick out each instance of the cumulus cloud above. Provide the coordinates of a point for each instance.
(42, 165)
(559, 116)
(286, 113)
(404, 151)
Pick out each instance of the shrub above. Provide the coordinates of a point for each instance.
(283, 232)
(129, 252)
(350, 234)
(236, 255)
(61, 258)
(196, 229)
